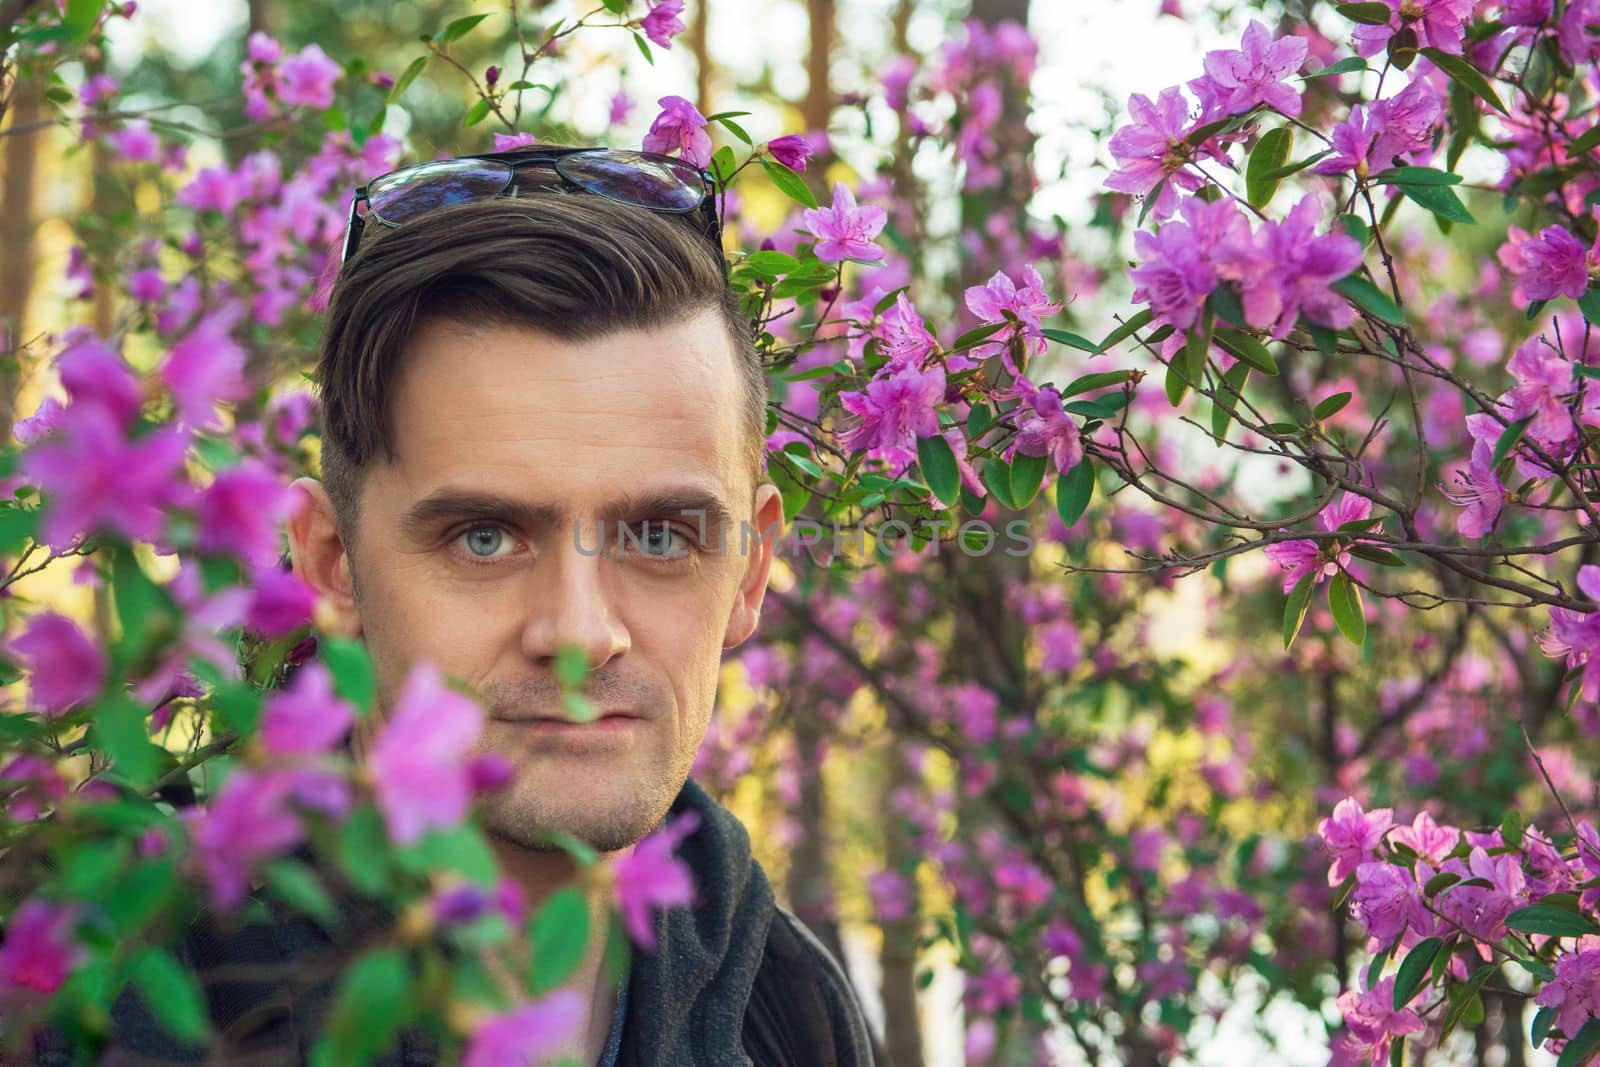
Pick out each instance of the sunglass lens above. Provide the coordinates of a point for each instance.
(405, 194)
(648, 180)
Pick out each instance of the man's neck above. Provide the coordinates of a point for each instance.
(540, 875)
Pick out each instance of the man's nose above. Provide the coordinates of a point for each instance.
(573, 602)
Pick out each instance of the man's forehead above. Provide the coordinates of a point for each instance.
(690, 499)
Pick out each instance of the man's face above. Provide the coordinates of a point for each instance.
(493, 540)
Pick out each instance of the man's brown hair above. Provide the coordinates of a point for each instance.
(575, 265)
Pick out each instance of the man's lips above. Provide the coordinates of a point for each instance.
(568, 720)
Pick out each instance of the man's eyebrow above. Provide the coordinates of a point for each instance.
(706, 507)
(422, 518)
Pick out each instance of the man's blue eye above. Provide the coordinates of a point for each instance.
(655, 540)
(484, 540)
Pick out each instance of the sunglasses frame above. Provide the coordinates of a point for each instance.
(705, 211)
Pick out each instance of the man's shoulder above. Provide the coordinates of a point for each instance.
(803, 1009)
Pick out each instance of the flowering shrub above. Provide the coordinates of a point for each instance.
(1425, 453)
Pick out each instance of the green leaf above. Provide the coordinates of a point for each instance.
(1551, 921)
(1242, 346)
(1508, 440)
(1546, 1017)
(1439, 200)
(559, 934)
(81, 18)
(737, 130)
(1583, 1045)
(1369, 14)
(363, 852)
(1331, 406)
(17, 527)
(1586, 140)
(1027, 474)
(459, 28)
(1589, 304)
(137, 898)
(1176, 385)
(121, 730)
(1071, 340)
(477, 112)
(1295, 609)
(979, 420)
(354, 677)
(1414, 970)
(1344, 600)
(372, 1003)
(407, 76)
(171, 993)
(1270, 153)
(770, 263)
(996, 476)
(1369, 298)
(1095, 381)
(1374, 554)
(1440, 882)
(1074, 490)
(461, 850)
(298, 886)
(1416, 176)
(616, 7)
(1138, 322)
(939, 468)
(1225, 403)
(1468, 75)
(644, 49)
(789, 183)
(723, 164)
(1296, 167)
(1348, 65)
(1511, 829)
(977, 334)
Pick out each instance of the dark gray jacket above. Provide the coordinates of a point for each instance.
(735, 981)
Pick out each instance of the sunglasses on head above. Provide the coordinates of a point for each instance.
(649, 180)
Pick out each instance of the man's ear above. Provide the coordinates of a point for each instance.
(767, 518)
(321, 560)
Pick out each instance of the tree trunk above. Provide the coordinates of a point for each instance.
(994, 12)
(21, 155)
(818, 104)
(810, 887)
(699, 22)
(902, 1026)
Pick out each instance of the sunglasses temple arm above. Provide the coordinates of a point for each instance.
(353, 227)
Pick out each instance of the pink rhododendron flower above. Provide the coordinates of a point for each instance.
(419, 761)
(213, 189)
(650, 877)
(65, 665)
(902, 336)
(1352, 836)
(1480, 494)
(95, 480)
(663, 22)
(1175, 274)
(307, 718)
(1372, 1023)
(1527, 13)
(1544, 379)
(845, 231)
(249, 820)
(1256, 73)
(135, 142)
(1575, 635)
(891, 895)
(679, 129)
(205, 367)
(1028, 303)
(1286, 270)
(94, 376)
(621, 108)
(505, 142)
(1479, 910)
(1427, 838)
(1438, 24)
(306, 78)
(1300, 558)
(791, 150)
(240, 512)
(281, 602)
(895, 410)
(39, 951)
(1575, 992)
(1553, 264)
(1151, 150)
(41, 423)
(1386, 899)
(1045, 429)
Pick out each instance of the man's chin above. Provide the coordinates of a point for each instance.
(537, 818)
